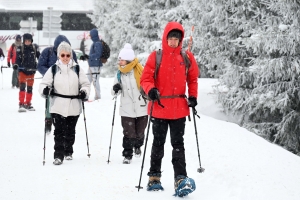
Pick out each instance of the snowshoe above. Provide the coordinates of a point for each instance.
(184, 186)
(154, 184)
(69, 157)
(57, 161)
(137, 152)
(127, 160)
(22, 108)
(29, 107)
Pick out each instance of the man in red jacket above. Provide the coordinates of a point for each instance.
(11, 56)
(169, 88)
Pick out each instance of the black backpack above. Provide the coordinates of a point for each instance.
(105, 52)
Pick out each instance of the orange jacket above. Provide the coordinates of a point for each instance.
(171, 79)
(12, 54)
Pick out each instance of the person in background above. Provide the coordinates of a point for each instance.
(169, 90)
(82, 46)
(49, 55)
(133, 108)
(11, 57)
(94, 61)
(65, 109)
(26, 63)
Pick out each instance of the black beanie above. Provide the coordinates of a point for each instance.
(27, 36)
(175, 33)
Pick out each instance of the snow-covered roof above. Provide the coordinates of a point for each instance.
(40, 5)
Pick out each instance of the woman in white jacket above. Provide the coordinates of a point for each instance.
(67, 87)
(133, 108)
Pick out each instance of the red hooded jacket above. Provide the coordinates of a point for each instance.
(12, 54)
(171, 78)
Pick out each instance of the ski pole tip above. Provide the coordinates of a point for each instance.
(139, 187)
(89, 155)
(200, 170)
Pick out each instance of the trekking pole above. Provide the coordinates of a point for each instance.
(201, 169)
(84, 119)
(45, 130)
(151, 109)
(191, 39)
(112, 127)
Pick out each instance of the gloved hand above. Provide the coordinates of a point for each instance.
(82, 94)
(117, 87)
(86, 56)
(46, 91)
(192, 102)
(153, 94)
(82, 57)
(8, 64)
(15, 67)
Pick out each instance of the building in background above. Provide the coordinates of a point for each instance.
(75, 24)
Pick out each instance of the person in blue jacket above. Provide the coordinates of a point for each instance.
(94, 61)
(48, 56)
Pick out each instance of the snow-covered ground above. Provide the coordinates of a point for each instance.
(239, 164)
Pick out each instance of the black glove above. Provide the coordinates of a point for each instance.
(15, 66)
(192, 102)
(87, 56)
(117, 87)
(153, 94)
(8, 64)
(82, 94)
(46, 91)
(82, 57)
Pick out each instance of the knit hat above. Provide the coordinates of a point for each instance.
(64, 46)
(175, 33)
(27, 36)
(127, 53)
(18, 37)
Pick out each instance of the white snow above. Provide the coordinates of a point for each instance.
(239, 165)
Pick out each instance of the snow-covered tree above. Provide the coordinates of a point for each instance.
(138, 22)
(266, 93)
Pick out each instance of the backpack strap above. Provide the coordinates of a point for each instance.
(186, 61)
(158, 57)
(76, 68)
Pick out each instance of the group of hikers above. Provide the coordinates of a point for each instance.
(163, 81)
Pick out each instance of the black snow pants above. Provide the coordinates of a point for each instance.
(134, 133)
(64, 135)
(160, 129)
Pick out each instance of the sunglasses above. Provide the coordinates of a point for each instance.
(63, 55)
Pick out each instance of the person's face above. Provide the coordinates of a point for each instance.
(122, 62)
(173, 42)
(65, 57)
(27, 42)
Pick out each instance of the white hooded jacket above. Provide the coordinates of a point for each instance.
(66, 82)
(132, 103)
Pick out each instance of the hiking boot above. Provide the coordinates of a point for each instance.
(137, 152)
(184, 186)
(57, 161)
(22, 108)
(69, 157)
(29, 107)
(178, 180)
(154, 184)
(127, 160)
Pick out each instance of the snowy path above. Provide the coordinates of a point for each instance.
(239, 165)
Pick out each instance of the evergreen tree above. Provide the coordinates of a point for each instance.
(266, 93)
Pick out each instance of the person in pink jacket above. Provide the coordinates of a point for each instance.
(168, 92)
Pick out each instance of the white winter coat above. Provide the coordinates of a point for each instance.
(131, 102)
(66, 82)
